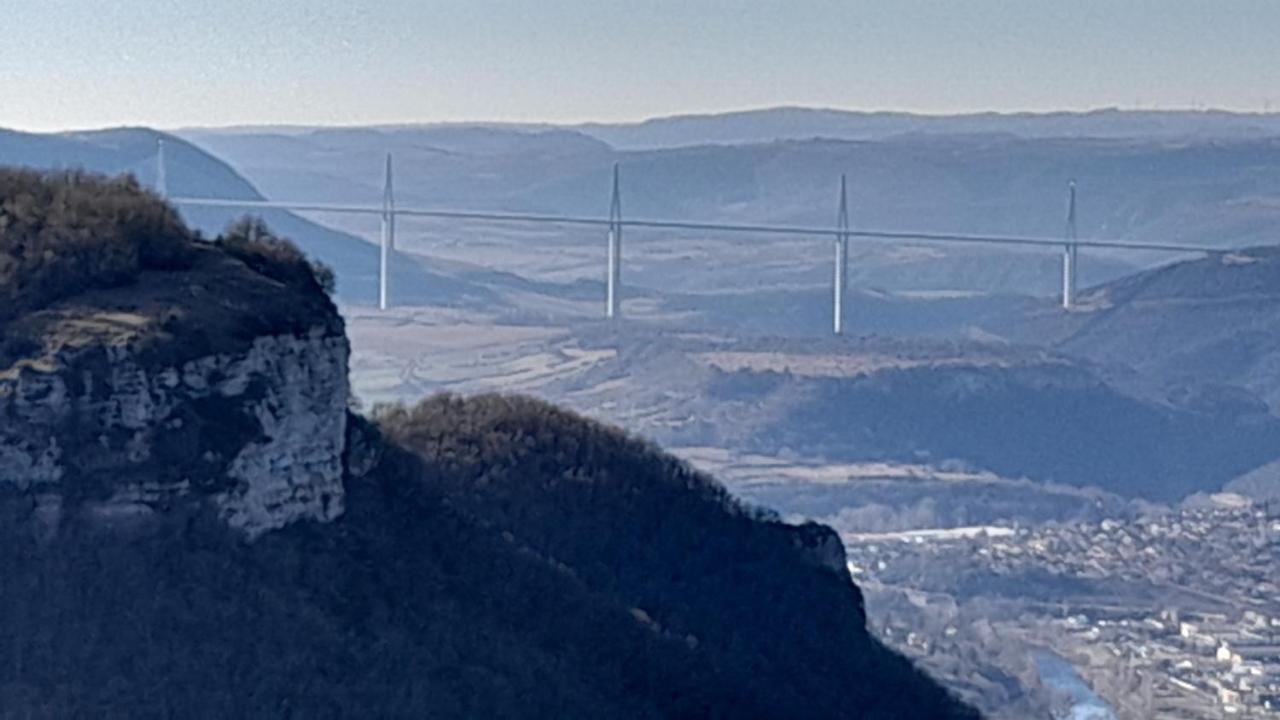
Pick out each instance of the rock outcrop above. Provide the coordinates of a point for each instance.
(213, 385)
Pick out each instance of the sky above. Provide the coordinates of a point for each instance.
(68, 64)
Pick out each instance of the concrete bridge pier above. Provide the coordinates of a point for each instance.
(1070, 252)
(388, 236)
(613, 268)
(840, 280)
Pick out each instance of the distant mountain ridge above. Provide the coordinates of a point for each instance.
(768, 124)
(798, 123)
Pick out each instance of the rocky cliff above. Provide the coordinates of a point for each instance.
(260, 432)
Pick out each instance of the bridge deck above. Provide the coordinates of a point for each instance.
(604, 222)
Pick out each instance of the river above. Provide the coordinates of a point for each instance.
(1057, 673)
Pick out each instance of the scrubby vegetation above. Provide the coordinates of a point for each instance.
(486, 443)
(250, 240)
(636, 524)
(62, 233)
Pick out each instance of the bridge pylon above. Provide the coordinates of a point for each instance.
(613, 268)
(1070, 252)
(388, 235)
(840, 279)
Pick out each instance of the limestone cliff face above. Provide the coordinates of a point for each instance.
(127, 439)
(129, 409)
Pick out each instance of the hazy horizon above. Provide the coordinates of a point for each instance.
(740, 111)
(640, 120)
(330, 63)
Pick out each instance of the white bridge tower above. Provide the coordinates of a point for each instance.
(388, 244)
(840, 280)
(613, 270)
(1070, 252)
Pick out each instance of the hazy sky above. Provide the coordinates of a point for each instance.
(89, 63)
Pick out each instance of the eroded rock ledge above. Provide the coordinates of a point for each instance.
(211, 386)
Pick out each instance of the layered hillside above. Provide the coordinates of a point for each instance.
(1018, 411)
(1201, 334)
(193, 524)
(1050, 420)
(1209, 320)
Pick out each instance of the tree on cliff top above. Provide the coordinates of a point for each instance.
(62, 233)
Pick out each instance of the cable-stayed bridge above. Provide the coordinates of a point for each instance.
(614, 224)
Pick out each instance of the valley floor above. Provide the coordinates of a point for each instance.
(1170, 616)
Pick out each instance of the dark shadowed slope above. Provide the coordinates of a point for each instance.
(405, 608)
(769, 603)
